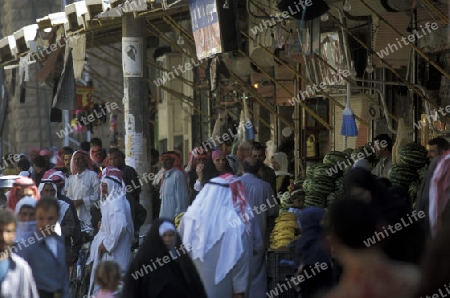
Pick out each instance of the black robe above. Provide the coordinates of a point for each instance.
(176, 278)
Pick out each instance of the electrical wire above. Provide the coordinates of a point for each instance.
(435, 10)
(311, 112)
(387, 65)
(416, 49)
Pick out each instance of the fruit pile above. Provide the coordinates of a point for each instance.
(178, 219)
(410, 169)
(324, 179)
(286, 229)
(285, 202)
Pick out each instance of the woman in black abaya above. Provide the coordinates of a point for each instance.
(178, 277)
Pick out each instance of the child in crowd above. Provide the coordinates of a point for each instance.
(45, 253)
(298, 200)
(107, 276)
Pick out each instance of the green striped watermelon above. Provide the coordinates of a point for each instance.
(413, 155)
(307, 185)
(327, 171)
(310, 170)
(334, 157)
(330, 199)
(402, 175)
(312, 200)
(338, 183)
(323, 186)
(422, 172)
(348, 152)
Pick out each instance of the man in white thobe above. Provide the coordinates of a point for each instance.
(115, 237)
(220, 237)
(82, 186)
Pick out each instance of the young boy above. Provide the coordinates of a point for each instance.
(46, 255)
(16, 279)
(298, 200)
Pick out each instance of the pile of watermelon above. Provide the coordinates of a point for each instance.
(411, 168)
(324, 179)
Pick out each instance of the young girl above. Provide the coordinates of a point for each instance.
(107, 276)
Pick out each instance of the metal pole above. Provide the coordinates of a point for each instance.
(414, 75)
(66, 115)
(135, 103)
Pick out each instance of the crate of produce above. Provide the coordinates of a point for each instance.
(277, 274)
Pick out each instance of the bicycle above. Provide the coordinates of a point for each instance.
(81, 274)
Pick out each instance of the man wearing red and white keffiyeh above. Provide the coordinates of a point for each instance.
(219, 228)
(439, 193)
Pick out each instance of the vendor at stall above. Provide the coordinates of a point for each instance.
(383, 150)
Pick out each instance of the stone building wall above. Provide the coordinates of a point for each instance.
(27, 124)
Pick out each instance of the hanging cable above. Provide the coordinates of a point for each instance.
(416, 49)
(384, 62)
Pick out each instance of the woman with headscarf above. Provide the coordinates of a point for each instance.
(280, 165)
(23, 186)
(216, 165)
(66, 218)
(195, 168)
(176, 277)
(26, 218)
(310, 250)
(115, 237)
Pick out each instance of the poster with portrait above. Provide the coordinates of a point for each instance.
(132, 57)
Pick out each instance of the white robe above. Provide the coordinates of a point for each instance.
(235, 281)
(84, 186)
(116, 232)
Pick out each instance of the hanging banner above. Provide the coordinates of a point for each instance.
(132, 57)
(84, 97)
(206, 27)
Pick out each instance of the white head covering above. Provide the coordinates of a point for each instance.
(281, 159)
(115, 183)
(44, 182)
(57, 177)
(165, 227)
(27, 200)
(207, 221)
(362, 163)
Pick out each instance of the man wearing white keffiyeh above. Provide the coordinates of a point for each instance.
(220, 251)
(114, 239)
